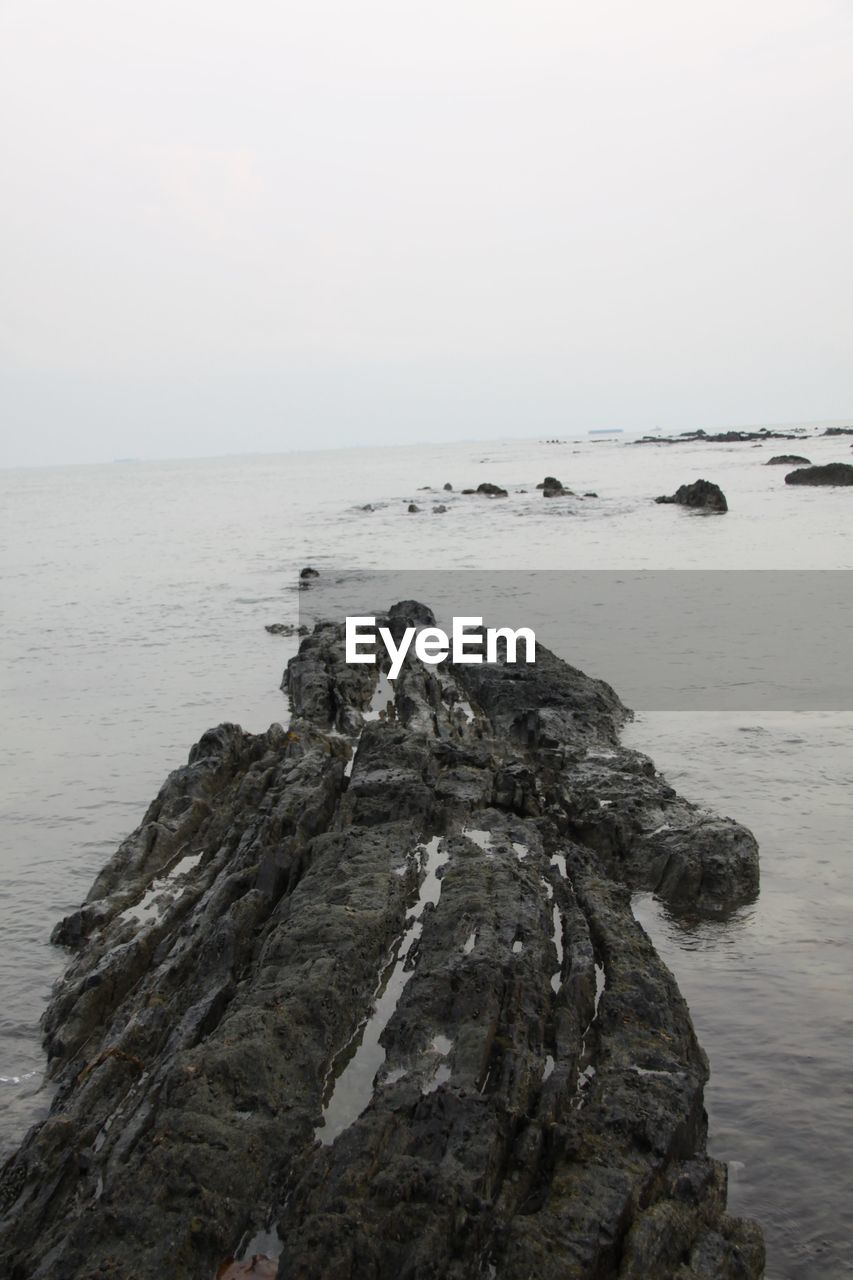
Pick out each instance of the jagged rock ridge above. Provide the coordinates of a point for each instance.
(396, 1004)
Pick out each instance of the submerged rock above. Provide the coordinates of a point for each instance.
(788, 460)
(830, 473)
(378, 980)
(490, 490)
(701, 494)
(308, 572)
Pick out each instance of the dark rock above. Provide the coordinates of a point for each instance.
(838, 431)
(490, 490)
(702, 495)
(831, 473)
(449, 487)
(439, 510)
(788, 460)
(285, 629)
(591, 494)
(529, 1089)
(413, 508)
(721, 437)
(308, 572)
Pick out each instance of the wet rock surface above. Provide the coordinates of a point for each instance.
(372, 985)
(787, 460)
(831, 473)
(701, 495)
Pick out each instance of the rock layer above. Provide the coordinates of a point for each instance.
(375, 979)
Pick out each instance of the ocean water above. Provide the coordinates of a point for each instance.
(134, 599)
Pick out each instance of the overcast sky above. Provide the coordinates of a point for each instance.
(265, 226)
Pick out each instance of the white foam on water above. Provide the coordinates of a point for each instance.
(470, 942)
(27, 1075)
(520, 850)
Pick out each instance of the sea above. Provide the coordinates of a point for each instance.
(135, 597)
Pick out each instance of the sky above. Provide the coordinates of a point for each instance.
(232, 227)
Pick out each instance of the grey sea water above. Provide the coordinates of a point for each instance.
(134, 599)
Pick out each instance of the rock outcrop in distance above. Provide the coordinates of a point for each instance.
(725, 437)
(830, 473)
(372, 985)
(787, 460)
(702, 495)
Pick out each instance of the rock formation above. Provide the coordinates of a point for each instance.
(830, 473)
(724, 437)
(552, 488)
(372, 985)
(701, 495)
(787, 460)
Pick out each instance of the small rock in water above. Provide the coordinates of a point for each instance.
(553, 488)
(439, 510)
(492, 490)
(787, 460)
(702, 495)
(285, 629)
(308, 572)
(413, 508)
(449, 487)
